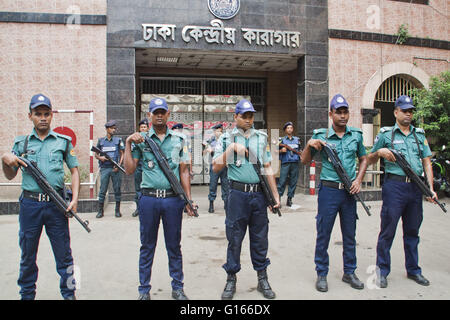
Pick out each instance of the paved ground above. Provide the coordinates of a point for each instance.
(107, 258)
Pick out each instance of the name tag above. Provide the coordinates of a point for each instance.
(398, 141)
(109, 149)
(293, 146)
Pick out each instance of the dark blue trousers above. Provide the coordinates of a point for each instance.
(289, 176)
(151, 211)
(33, 215)
(213, 182)
(331, 202)
(400, 200)
(137, 183)
(246, 209)
(116, 177)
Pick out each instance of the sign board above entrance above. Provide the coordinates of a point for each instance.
(217, 33)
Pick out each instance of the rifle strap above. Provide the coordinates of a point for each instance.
(418, 148)
(25, 148)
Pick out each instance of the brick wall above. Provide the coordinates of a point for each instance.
(67, 64)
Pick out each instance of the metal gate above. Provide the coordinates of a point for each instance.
(200, 103)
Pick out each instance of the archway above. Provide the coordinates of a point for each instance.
(404, 70)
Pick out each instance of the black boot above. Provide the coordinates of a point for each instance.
(264, 286)
(100, 210)
(136, 212)
(289, 202)
(230, 287)
(118, 215)
(211, 207)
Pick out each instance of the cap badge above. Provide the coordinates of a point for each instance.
(158, 102)
(340, 99)
(246, 105)
(407, 99)
(41, 98)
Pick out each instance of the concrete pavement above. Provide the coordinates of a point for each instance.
(107, 258)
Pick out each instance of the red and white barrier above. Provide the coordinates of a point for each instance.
(312, 178)
(91, 141)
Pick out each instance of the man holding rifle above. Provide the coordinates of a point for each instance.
(48, 150)
(333, 198)
(247, 205)
(113, 147)
(158, 199)
(290, 157)
(401, 197)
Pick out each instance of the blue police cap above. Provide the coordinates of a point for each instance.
(244, 106)
(143, 121)
(157, 103)
(40, 100)
(177, 126)
(338, 101)
(404, 103)
(287, 124)
(110, 123)
(217, 126)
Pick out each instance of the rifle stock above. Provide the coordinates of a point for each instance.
(263, 181)
(164, 165)
(403, 163)
(339, 168)
(104, 154)
(33, 170)
(299, 153)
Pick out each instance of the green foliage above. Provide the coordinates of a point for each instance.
(402, 34)
(84, 174)
(433, 111)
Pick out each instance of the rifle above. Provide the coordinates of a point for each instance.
(263, 181)
(33, 170)
(164, 165)
(282, 145)
(339, 168)
(403, 163)
(97, 150)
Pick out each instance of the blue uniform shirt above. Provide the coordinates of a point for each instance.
(49, 155)
(111, 148)
(290, 156)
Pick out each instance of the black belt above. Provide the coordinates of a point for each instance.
(332, 184)
(37, 196)
(245, 187)
(158, 193)
(396, 177)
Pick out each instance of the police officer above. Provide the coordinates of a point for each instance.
(289, 162)
(401, 197)
(143, 127)
(214, 177)
(333, 198)
(114, 147)
(158, 200)
(48, 149)
(247, 206)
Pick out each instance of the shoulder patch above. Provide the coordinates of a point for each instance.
(420, 130)
(261, 132)
(385, 129)
(19, 139)
(63, 136)
(179, 135)
(356, 129)
(321, 130)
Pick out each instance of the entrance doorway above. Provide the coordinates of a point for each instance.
(201, 103)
